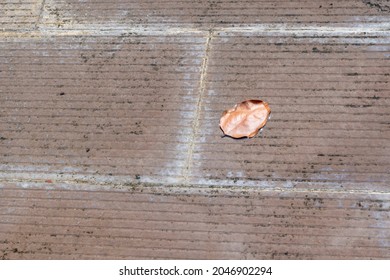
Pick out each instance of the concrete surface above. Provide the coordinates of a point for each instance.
(109, 137)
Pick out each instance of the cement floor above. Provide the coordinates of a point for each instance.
(109, 137)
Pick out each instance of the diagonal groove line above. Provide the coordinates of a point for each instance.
(39, 19)
(195, 123)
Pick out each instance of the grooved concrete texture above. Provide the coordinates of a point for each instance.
(19, 15)
(109, 137)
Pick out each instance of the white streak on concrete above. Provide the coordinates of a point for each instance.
(198, 109)
(117, 29)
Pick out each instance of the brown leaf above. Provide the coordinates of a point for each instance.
(245, 119)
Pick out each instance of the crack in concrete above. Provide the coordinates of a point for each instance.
(39, 19)
(199, 103)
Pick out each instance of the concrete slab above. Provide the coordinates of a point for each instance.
(110, 145)
(210, 14)
(91, 222)
(329, 123)
(98, 107)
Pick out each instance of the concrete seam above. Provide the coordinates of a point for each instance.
(40, 14)
(117, 29)
(177, 188)
(199, 103)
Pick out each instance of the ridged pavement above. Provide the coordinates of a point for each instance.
(109, 139)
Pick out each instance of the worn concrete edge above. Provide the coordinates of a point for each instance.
(110, 29)
(177, 189)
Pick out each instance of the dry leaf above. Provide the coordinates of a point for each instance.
(245, 119)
